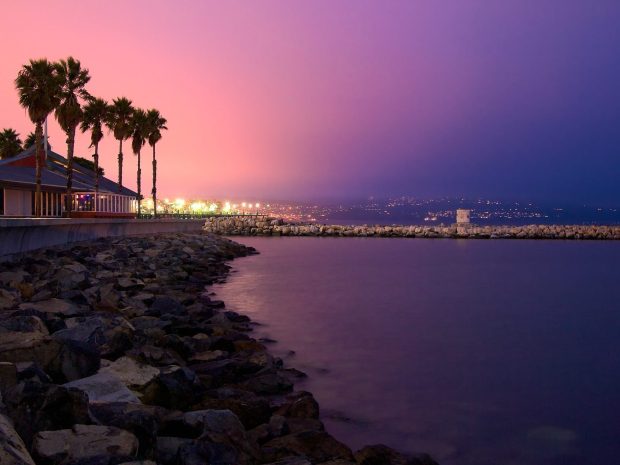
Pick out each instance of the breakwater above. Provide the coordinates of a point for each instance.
(265, 226)
(115, 352)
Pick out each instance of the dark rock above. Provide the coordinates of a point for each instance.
(384, 455)
(316, 445)
(251, 409)
(178, 389)
(32, 372)
(104, 387)
(298, 425)
(224, 344)
(141, 420)
(163, 305)
(75, 360)
(84, 443)
(8, 377)
(110, 335)
(23, 324)
(168, 449)
(13, 451)
(38, 407)
(292, 461)
(236, 317)
(223, 441)
(300, 405)
(156, 356)
(268, 384)
(57, 307)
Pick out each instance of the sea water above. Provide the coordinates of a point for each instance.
(475, 351)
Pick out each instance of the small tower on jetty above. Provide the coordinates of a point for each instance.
(462, 217)
(462, 221)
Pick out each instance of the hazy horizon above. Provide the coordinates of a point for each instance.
(513, 100)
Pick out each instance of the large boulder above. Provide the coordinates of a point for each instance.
(62, 360)
(134, 374)
(268, 384)
(111, 335)
(8, 278)
(8, 299)
(104, 387)
(84, 442)
(383, 455)
(164, 305)
(300, 405)
(178, 388)
(251, 409)
(57, 307)
(168, 449)
(224, 440)
(141, 420)
(13, 451)
(23, 324)
(75, 360)
(38, 407)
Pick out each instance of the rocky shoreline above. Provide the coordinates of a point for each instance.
(114, 352)
(266, 226)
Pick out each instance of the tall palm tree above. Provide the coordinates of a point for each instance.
(95, 115)
(139, 134)
(38, 86)
(10, 143)
(119, 122)
(155, 124)
(69, 113)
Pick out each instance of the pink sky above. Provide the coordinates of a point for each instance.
(281, 99)
(262, 98)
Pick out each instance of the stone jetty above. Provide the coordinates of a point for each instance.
(266, 226)
(114, 352)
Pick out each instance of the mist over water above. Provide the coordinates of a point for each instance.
(478, 352)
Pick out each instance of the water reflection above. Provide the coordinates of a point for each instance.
(479, 352)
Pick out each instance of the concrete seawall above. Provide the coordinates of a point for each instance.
(22, 235)
(264, 226)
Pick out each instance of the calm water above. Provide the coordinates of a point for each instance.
(478, 352)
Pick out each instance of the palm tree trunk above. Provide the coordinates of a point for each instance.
(38, 150)
(96, 157)
(120, 166)
(154, 191)
(139, 184)
(70, 147)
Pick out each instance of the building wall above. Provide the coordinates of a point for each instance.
(19, 235)
(17, 203)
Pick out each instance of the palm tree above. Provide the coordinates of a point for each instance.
(156, 123)
(139, 134)
(10, 143)
(30, 140)
(38, 86)
(69, 113)
(119, 122)
(95, 115)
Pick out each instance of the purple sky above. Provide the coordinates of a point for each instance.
(316, 99)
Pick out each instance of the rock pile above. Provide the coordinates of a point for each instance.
(265, 226)
(113, 352)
